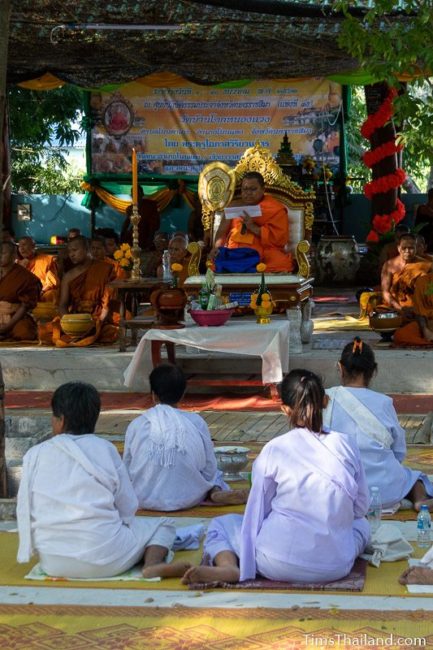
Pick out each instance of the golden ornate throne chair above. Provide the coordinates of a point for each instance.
(218, 185)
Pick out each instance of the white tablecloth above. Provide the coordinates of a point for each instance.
(270, 342)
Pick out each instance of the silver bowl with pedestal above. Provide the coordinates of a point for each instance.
(231, 461)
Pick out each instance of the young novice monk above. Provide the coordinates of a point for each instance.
(371, 418)
(169, 453)
(76, 504)
(305, 516)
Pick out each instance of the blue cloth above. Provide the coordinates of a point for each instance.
(236, 260)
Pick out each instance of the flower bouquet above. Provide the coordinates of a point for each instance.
(123, 256)
(261, 300)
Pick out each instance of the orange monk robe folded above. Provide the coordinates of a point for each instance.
(274, 235)
(411, 334)
(17, 287)
(89, 293)
(403, 282)
(45, 269)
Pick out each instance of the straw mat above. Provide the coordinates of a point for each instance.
(93, 628)
(382, 581)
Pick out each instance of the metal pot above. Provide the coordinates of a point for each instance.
(337, 260)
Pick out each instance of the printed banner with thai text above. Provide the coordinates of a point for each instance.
(180, 128)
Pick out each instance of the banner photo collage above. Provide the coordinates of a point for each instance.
(180, 128)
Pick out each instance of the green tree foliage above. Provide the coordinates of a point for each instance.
(42, 124)
(394, 40)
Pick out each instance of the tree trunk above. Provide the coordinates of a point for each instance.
(383, 203)
(5, 10)
(5, 7)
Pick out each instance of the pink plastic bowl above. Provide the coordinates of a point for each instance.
(213, 318)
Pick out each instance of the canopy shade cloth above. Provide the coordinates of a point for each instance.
(207, 44)
(270, 342)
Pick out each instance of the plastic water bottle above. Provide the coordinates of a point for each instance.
(166, 267)
(423, 528)
(375, 510)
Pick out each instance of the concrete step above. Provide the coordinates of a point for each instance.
(400, 371)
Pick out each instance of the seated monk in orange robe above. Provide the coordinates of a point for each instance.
(84, 290)
(41, 265)
(19, 294)
(98, 252)
(420, 330)
(177, 247)
(267, 234)
(400, 274)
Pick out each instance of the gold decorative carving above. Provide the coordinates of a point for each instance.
(309, 215)
(207, 217)
(301, 257)
(195, 250)
(135, 250)
(260, 159)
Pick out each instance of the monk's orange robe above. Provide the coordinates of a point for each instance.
(17, 287)
(411, 334)
(89, 293)
(121, 274)
(45, 269)
(274, 235)
(403, 282)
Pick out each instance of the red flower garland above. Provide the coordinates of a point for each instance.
(385, 183)
(383, 223)
(381, 117)
(371, 158)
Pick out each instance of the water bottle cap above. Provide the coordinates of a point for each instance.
(424, 507)
(374, 488)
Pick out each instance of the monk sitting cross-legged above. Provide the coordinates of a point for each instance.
(42, 266)
(420, 330)
(84, 290)
(19, 293)
(400, 274)
(267, 235)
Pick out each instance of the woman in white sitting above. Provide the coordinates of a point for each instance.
(76, 504)
(371, 418)
(169, 453)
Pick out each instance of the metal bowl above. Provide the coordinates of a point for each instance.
(231, 461)
(385, 323)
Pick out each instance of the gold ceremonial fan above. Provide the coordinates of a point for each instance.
(216, 185)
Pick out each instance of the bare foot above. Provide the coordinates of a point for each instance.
(417, 575)
(211, 574)
(229, 497)
(423, 502)
(163, 570)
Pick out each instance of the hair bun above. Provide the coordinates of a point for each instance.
(357, 345)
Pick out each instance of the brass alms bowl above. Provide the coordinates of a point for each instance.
(77, 325)
(385, 323)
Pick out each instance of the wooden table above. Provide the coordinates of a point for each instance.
(133, 292)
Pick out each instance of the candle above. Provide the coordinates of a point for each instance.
(134, 178)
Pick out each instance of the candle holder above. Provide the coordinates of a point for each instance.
(135, 250)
